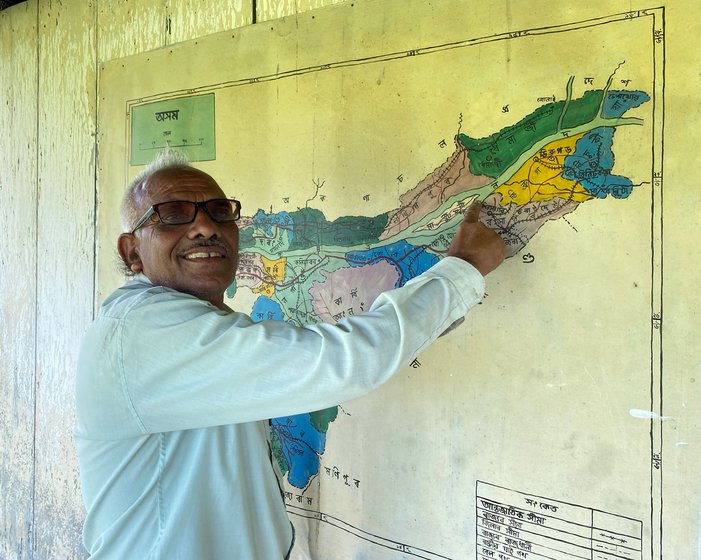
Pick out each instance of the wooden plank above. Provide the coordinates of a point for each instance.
(190, 19)
(66, 176)
(127, 28)
(18, 195)
(274, 9)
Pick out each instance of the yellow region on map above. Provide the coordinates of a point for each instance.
(541, 177)
(273, 272)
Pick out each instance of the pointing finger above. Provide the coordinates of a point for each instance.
(473, 212)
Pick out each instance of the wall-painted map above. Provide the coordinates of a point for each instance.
(356, 137)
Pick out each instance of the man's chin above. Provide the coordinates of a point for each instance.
(208, 289)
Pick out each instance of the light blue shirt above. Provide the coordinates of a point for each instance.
(173, 398)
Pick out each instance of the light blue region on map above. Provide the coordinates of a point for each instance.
(267, 222)
(302, 445)
(231, 290)
(409, 260)
(265, 308)
(618, 102)
(591, 165)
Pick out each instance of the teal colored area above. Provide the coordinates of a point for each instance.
(322, 418)
(618, 102)
(298, 442)
(268, 231)
(308, 228)
(231, 290)
(268, 222)
(301, 272)
(592, 162)
(312, 229)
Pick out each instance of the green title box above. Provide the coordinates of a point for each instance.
(185, 124)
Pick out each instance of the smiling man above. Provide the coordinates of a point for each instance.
(199, 260)
(174, 389)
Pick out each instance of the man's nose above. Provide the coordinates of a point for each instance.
(203, 226)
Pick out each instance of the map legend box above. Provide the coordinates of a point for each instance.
(512, 524)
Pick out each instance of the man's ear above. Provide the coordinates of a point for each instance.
(128, 247)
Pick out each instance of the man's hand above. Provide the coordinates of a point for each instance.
(476, 243)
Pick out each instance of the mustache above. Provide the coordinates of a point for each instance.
(207, 243)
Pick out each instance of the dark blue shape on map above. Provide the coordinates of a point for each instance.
(267, 223)
(301, 445)
(618, 102)
(591, 165)
(265, 308)
(409, 260)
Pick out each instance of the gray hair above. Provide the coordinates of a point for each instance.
(166, 159)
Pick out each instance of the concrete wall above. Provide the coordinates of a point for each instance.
(50, 53)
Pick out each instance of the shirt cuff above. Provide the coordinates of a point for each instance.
(467, 280)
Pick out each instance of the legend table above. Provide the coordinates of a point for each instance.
(514, 525)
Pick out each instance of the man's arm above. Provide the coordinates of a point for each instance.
(173, 362)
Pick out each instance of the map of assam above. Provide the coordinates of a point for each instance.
(356, 136)
(305, 269)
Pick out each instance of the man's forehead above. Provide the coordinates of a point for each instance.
(185, 183)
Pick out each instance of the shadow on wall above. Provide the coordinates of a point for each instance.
(7, 3)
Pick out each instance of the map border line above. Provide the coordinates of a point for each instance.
(657, 284)
(395, 55)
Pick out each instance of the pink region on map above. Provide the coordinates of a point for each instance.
(350, 291)
(517, 224)
(451, 178)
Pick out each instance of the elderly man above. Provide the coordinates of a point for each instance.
(175, 389)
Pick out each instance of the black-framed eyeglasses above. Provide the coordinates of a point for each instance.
(179, 212)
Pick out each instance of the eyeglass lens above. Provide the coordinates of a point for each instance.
(183, 212)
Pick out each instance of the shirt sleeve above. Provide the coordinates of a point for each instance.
(184, 364)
